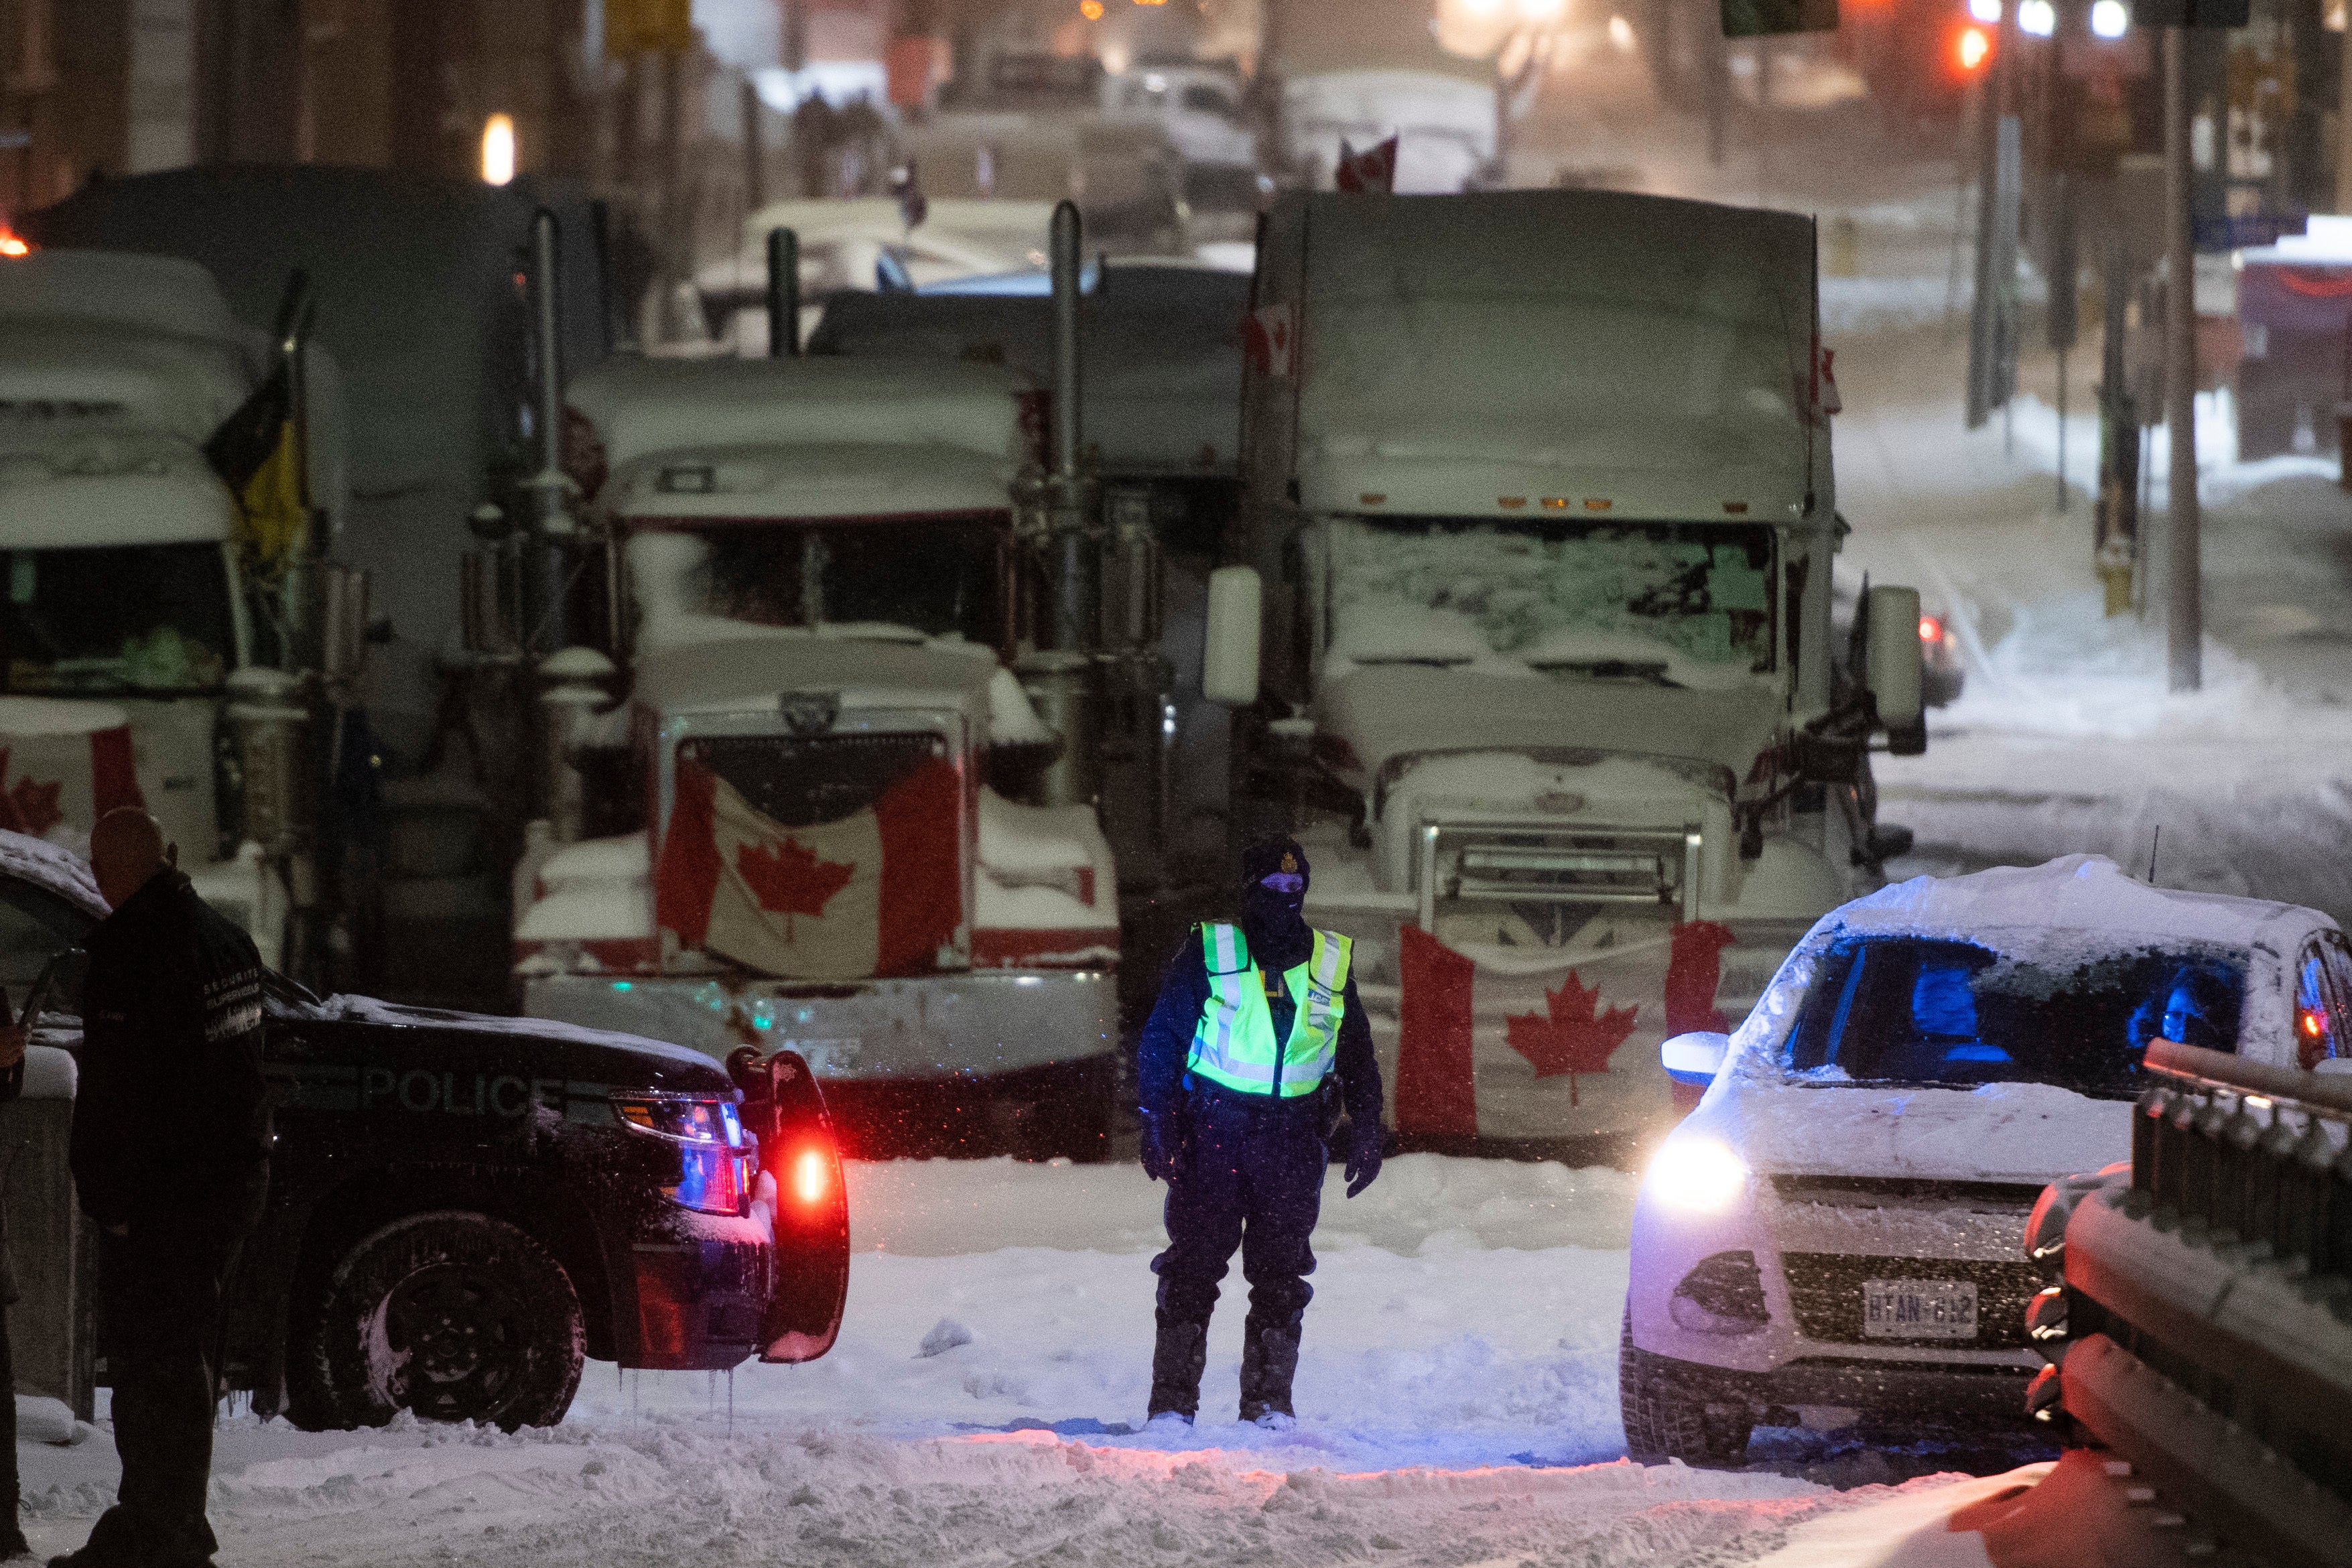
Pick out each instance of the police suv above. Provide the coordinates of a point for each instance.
(461, 1209)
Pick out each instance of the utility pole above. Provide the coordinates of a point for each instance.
(2184, 607)
(2001, 151)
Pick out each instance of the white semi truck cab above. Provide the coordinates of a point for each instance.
(1542, 485)
(128, 629)
(824, 590)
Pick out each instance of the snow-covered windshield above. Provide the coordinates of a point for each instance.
(145, 618)
(1916, 1010)
(894, 579)
(1681, 604)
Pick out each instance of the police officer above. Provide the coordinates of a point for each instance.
(171, 1139)
(1256, 1025)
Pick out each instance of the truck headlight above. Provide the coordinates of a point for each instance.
(714, 1173)
(1696, 1176)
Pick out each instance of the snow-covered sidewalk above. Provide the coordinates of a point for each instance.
(1458, 1404)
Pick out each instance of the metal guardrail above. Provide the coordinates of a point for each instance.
(2203, 1330)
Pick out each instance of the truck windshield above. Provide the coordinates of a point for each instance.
(1679, 604)
(927, 578)
(147, 618)
(1911, 1010)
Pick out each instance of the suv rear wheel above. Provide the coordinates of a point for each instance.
(1663, 1422)
(454, 1316)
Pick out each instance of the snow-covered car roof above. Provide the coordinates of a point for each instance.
(2073, 900)
(642, 406)
(59, 871)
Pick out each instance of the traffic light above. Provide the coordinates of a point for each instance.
(1972, 48)
(1762, 18)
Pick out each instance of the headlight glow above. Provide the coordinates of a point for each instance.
(1696, 1176)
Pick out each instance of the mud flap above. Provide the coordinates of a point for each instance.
(797, 1149)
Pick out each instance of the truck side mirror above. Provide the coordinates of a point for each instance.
(1891, 667)
(1229, 665)
(1693, 1059)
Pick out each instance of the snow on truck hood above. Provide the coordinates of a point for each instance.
(1385, 713)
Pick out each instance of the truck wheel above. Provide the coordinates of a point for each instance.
(454, 1316)
(1662, 1423)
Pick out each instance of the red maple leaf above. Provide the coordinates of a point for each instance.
(35, 804)
(1577, 1037)
(29, 807)
(790, 880)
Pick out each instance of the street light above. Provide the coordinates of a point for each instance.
(2109, 19)
(1986, 11)
(2039, 17)
(497, 149)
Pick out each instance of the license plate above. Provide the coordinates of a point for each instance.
(1920, 1309)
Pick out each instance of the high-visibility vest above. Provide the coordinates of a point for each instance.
(1234, 1044)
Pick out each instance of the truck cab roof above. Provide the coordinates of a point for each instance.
(1584, 353)
(644, 406)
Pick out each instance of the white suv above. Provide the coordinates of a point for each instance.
(1836, 1232)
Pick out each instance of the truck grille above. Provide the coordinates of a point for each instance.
(1826, 1287)
(800, 781)
(1512, 864)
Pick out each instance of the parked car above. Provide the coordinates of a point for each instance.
(462, 1208)
(1835, 1231)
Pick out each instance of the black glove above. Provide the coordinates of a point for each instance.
(1363, 1157)
(1164, 1153)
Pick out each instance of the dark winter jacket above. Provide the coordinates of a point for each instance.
(170, 1116)
(1167, 1044)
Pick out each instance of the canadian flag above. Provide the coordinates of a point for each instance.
(64, 776)
(874, 894)
(1517, 1044)
(1371, 170)
(1270, 337)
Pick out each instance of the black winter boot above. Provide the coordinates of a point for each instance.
(1269, 1361)
(1182, 1351)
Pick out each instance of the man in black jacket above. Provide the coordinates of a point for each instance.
(1256, 1025)
(170, 1145)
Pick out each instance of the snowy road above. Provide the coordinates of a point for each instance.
(1457, 1402)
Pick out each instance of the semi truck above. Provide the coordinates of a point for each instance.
(1536, 529)
(1162, 377)
(156, 653)
(843, 800)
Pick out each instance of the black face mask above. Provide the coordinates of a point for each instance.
(1274, 925)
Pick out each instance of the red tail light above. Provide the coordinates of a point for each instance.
(812, 1176)
(1930, 629)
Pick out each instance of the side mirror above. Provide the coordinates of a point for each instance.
(1891, 667)
(1693, 1059)
(1229, 666)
